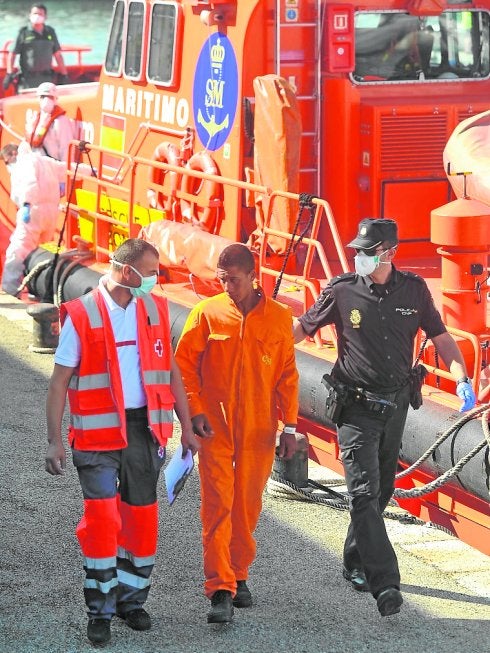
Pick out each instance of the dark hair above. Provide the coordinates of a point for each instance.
(36, 5)
(7, 150)
(132, 250)
(237, 255)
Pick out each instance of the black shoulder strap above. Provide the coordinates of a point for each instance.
(347, 276)
(411, 275)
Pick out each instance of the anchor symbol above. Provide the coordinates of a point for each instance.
(210, 125)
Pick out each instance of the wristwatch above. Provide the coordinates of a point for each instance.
(290, 429)
(463, 379)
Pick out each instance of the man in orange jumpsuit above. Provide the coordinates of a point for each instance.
(236, 356)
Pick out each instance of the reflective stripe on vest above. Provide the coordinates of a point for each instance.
(94, 315)
(135, 560)
(161, 416)
(92, 422)
(89, 382)
(151, 309)
(156, 377)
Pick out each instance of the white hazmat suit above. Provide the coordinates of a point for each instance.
(35, 189)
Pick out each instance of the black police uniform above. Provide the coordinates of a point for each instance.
(36, 52)
(376, 326)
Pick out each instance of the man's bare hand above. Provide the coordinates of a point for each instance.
(55, 459)
(201, 426)
(287, 445)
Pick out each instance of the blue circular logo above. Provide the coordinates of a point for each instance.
(215, 91)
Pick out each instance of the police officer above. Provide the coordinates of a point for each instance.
(377, 312)
(36, 45)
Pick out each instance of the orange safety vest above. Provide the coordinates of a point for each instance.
(95, 394)
(41, 127)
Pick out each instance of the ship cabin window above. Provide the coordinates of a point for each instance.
(162, 68)
(134, 40)
(114, 49)
(398, 47)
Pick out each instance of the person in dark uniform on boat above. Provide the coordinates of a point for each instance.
(36, 45)
(377, 312)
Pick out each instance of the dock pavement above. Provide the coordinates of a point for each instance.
(301, 602)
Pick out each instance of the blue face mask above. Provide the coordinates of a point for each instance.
(147, 284)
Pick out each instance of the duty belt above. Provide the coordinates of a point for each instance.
(372, 402)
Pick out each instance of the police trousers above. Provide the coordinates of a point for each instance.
(370, 446)
(119, 526)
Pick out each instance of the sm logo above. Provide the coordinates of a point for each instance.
(215, 91)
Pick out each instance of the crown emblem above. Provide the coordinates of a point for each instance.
(217, 54)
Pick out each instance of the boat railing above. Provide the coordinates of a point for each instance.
(4, 52)
(77, 50)
(139, 138)
(472, 347)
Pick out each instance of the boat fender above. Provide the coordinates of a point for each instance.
(207, 189)
(165, 153)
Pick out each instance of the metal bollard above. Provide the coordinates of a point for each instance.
(45, 328)
(294, 470)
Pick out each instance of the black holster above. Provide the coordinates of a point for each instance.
(416, 380)
(338, 396)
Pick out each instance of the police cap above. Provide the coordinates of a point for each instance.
(374, 231)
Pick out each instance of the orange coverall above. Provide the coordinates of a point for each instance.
(238, 371)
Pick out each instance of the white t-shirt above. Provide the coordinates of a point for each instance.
(125, 328)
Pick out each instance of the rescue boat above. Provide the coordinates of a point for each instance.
(281, 124)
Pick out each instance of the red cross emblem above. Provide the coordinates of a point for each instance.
(159, 348)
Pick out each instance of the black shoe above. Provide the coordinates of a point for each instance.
(358, 579)
(389, 601)
(99, 631)
(221, 608)
(137, 619)
(243, 596)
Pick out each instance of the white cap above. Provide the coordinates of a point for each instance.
(47, 88)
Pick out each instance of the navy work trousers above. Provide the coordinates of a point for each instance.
(120, 519)
(370, 446)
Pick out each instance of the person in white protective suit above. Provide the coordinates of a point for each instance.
(35, 189)
(49, 130)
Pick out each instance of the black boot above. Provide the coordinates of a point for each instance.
(99, 631)
(243, 596)
(221, 608)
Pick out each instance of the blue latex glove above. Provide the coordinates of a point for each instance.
(25, 213)
(465, 392)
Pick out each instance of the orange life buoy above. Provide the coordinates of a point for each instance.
(165, 153)
(206, 213)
